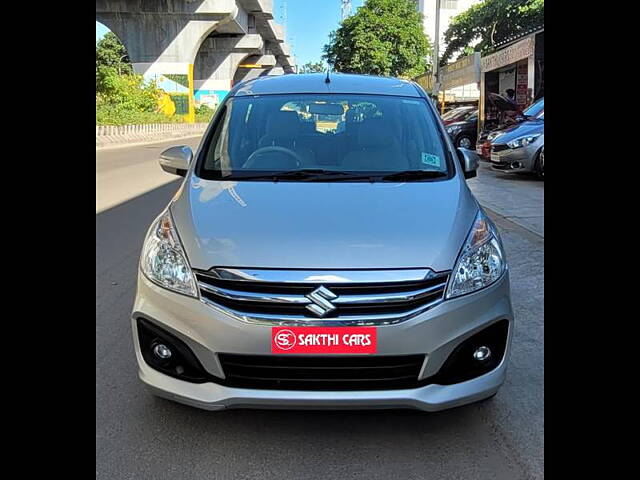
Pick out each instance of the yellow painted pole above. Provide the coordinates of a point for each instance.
(191, 116)
(444, 98)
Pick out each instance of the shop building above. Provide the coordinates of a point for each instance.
(516, 67)
(459, 77)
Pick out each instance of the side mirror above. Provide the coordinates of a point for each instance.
(176, 160)
(469, 161)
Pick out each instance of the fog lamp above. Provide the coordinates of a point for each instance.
(161, 351)
(482, 353)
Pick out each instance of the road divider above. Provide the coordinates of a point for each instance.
(117, 135)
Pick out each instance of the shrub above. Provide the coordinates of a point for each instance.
(118, 115)
(204, 113)
(127, 91)
(129, 100)
(204, 109)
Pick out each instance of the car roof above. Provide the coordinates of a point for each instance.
(460, 109)
(316, 83)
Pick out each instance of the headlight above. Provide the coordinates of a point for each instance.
(493, 135)
(453, 128)
(163, 259)
(481, 261)
(522, 141)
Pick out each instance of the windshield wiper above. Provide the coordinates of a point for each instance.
(308, 173)
(319, 174)
(413, 175)
(333, 175)
(303, 174)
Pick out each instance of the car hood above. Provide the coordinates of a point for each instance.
(502, 103)
(524, 128)
(335, 225)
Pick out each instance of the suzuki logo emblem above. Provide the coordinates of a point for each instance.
(321, 304)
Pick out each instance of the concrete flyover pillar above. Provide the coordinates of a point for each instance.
(250, 74)
(257, 66)
(162, 37)
(217, 62)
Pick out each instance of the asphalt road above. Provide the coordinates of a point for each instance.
(139, 436)
(123, 173)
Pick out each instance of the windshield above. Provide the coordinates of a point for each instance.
(294, 136)
(535, 109)
(469, 115)
(457, 112)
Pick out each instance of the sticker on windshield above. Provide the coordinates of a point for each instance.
(431, 160)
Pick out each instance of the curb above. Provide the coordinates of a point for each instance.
(108, 136)
(524, 229)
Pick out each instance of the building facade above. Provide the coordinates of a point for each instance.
(517, 64)
(448, 10)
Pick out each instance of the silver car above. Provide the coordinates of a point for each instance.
(520, 149)
(323, 251)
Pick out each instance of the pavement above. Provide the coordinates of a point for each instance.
(519, 198)
(141, 436)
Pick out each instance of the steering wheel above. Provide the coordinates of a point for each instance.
(270, 149)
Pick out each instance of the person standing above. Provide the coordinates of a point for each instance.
(511, 94)
(510, 111)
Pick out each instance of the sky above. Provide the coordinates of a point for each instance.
(308, 28)
(100, 31)
(309, 23)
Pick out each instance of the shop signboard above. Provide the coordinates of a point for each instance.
(425, 81)
(522, 49)
(461, 72)
(521, 84)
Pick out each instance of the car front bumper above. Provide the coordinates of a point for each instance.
(435, 333)
(514, 160)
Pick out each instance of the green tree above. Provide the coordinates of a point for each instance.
(490, 22)
(111, 56)
(311, 67)
(128, 91)
(127, 99)
(384, 37)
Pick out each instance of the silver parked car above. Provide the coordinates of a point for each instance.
(323, 251)
(520, 148)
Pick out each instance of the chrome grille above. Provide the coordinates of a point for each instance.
(498, 148)
(322, 297)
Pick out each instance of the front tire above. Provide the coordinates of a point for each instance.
(539, 167)
(464, 141)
